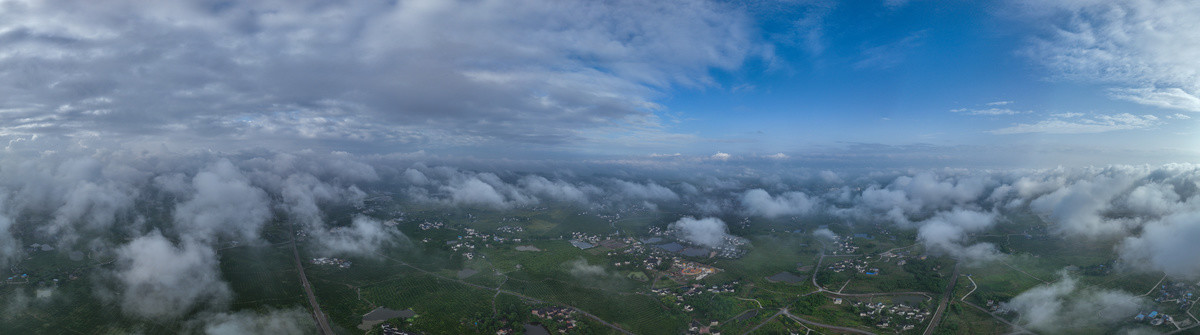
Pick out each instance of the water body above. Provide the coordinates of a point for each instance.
(672, 247)
(695, 252)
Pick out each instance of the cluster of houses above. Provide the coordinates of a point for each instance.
(679, 293)
(1176, 293)
(562, 315)
(510, 230)
(584, 240)
(652, 262)
(431, 225)
(844, 246)
(696, 327)
(900, 258)
(338, 262)
(457, 245)
(1154, 318)
(1173, 293)
(900, 316)
(856, 265)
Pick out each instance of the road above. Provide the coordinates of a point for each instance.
(941, 309)
(974, 286)
(818, 324)
(322, 321)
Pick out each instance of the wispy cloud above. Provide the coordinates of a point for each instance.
(1149, 47)
(1171, 98)
(988, 111)
(1074, 124)
(890, 54)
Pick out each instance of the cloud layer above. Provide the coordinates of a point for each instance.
(434, 73)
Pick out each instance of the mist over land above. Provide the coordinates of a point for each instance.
(152, 226)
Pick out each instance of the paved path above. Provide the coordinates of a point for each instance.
(974, 286)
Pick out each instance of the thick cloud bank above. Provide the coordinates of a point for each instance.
(1170, 245)
(376, 74)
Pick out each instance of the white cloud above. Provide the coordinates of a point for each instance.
(581, 268)
(888, 55)
(1171, 98)
(285, 321)
(999, 103)
(363, 237)
(721, 156)
(1150, 47)
(647, 191)
(225, 204)
(946, 233)
(1069, 125)
(1063, 306)
(1077, 209)
(759, 202)
(824, 234)
(423, 72)
(160, 280)
(1167, 245)
(709, 232)
(778, 156)
(989, 111)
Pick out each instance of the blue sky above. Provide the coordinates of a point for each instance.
(896, 75)
(1014, 82)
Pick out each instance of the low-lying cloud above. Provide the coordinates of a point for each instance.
(1062, 306)
(160, 279)
(709, 232)
(759, 202)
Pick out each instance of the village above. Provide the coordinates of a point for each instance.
(898, 315)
